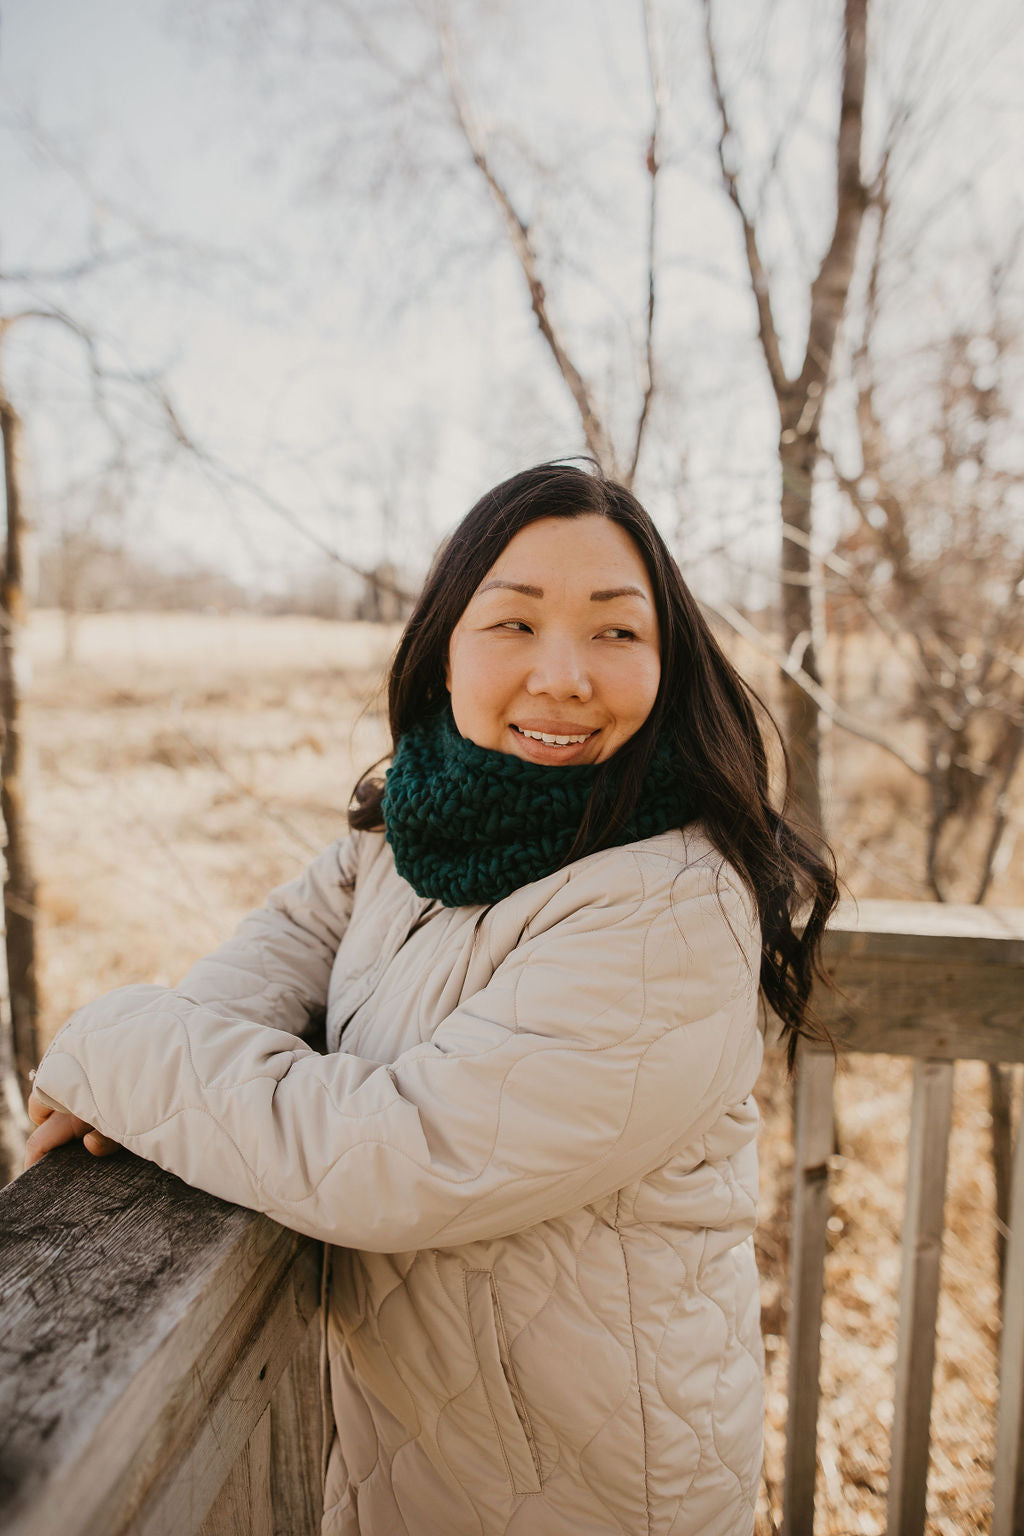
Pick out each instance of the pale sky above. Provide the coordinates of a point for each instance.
(302, 343)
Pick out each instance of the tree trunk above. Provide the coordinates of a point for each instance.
(798, 453)
(14, 1122)
(1000, 1090)
(19, 886)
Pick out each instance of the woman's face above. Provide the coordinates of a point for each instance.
(556, 658)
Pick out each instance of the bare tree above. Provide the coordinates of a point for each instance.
(14, 1121)
(800, 396)
(19, 882)
(18, 995)
(938, 513)
(938, 544)
(616, 458)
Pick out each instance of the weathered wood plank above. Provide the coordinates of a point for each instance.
(927, 980)
(922, 929)
(243, 1506)
(296, 1442)
(813, 1132)
(231, 1394)
(127, 1297)
(1008, 1492)
(930, 1119)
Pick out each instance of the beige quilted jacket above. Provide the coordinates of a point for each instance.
(532, 1147)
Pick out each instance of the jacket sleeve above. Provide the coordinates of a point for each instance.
(620, 1026)
(276, 967)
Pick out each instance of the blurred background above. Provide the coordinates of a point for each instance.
(285, 287)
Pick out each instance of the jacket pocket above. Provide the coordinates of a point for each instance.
(504, 1399)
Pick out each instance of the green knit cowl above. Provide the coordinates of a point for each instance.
(469, 825)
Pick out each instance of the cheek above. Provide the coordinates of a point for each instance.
(469, 674)
(653, 684)
(640, 690)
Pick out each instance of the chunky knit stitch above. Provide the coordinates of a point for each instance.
(469, 825)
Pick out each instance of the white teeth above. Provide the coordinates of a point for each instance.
(552, 741)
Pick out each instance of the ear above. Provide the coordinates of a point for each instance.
(448, 670)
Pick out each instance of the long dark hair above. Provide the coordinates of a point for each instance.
(703, 708)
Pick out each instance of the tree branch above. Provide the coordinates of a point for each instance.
(814, 690)
(832, 284)
(658, 98)
(219, 473)
(594, 430)
(892, 631)
(1002, 815)
(156, 391)
(759, 280)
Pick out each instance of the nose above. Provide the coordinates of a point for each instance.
(560, 672)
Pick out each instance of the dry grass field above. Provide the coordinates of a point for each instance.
(182, 765)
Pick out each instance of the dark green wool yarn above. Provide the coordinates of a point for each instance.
(469, 826)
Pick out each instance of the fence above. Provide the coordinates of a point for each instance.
(159, 1349)
(937, 984)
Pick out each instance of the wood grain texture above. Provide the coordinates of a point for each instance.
(134, 1312)
(930, 1119)
(924, 979)
(243, 1506)
(813, 1132)
(1008, 1492)
(225, 1401)
(296, 1438)
(158, 1348)
(976, 934)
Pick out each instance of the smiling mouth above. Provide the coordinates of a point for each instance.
(549, 739)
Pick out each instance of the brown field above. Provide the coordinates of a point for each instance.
(182, 765)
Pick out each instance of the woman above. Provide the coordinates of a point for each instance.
(530, 1145)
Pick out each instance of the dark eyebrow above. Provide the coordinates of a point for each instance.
(610, 592)
(603, 596)
(512, 586)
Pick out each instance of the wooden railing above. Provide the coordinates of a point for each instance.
(938, 984)
(158, 1359)
(159, 1349)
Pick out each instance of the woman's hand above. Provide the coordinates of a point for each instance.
(56, 1126)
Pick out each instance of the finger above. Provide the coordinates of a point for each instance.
(37, 1110)
(54, 1132)
(98, 1144)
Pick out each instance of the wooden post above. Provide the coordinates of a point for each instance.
(296, 1442)
(243, 1506)
(812, 1135)
(1008, 1493)
(930, 1117)
(145, 1328)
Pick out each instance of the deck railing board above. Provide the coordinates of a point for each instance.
(948, 984)
(297, 1440)
(930, 1119)
(1008, 1490)
(244, 1506)
(228, 1395)
(813, 1147)
(935, 983)
(127, 1320)
(159, 1349)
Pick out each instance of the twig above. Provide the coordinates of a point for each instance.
(813, 689)
(658, 97)
(521, 239)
